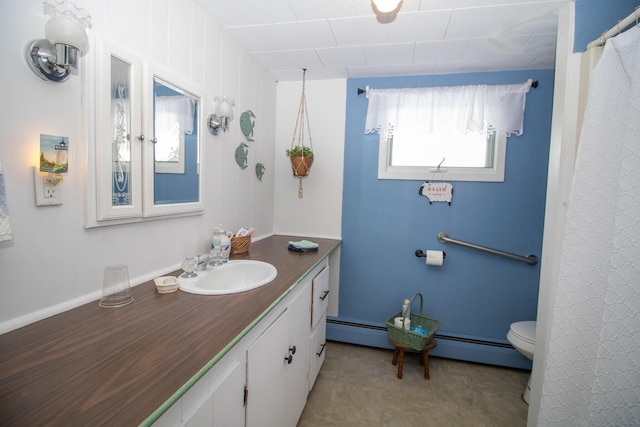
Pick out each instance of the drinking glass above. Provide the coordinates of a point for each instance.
(116, 289)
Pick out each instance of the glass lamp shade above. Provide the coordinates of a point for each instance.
(386, 6)
(225, 107)
(67, 24)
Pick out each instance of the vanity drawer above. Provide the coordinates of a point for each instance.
(317, 353)
(320, 299)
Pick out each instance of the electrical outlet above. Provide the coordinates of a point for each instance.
(47, 194)
(49, 190)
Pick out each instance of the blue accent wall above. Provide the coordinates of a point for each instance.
(593, 17)
(474, 294)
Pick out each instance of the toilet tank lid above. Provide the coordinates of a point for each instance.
(525, 329)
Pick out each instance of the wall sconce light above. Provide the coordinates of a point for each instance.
(222, 116)
(386, 6)
(55, 58)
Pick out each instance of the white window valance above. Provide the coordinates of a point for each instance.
(439, 109)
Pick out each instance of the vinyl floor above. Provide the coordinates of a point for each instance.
(358, 386)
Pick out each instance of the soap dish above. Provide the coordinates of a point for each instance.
(166, 284)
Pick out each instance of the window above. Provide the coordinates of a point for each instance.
(453, 156)
(460, 131)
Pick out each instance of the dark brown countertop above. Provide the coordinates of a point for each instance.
(96, 366)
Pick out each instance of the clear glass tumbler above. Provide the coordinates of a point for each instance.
(116, 289)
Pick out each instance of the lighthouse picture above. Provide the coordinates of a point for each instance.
(54, 153)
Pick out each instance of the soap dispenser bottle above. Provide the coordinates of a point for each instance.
(216, 242)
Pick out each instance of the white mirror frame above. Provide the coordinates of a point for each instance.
(149, 209)
(98, 211)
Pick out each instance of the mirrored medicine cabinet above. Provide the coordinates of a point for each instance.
(145, 137)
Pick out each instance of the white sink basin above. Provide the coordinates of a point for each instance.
(232, 277)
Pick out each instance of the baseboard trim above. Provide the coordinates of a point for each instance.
(449, 346)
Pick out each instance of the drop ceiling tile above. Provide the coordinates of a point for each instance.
(540, 44)
(294, 35)
(415, 69)
(305, 34)
(445, 50)
(536, 18)
(255, 38)
(448, 4)
(495, 47)
(480, 21)
(419, 26)
(317, 9)
(349, 31)
(342, 56)
(400, 53)
(247, 12)
(287, 59)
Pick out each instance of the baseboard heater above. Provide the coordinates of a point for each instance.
(449, 346)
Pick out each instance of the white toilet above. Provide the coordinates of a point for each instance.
(522, 336)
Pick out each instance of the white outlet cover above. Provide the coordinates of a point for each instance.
(42, 187)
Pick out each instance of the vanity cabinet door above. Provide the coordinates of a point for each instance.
(277, 374)
(298, 372)
(266, 379)
(117, 126)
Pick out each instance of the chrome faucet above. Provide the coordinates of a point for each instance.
(206, 259)
(203, 262)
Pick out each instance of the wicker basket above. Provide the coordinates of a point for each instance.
(240, 245)
(409, 338)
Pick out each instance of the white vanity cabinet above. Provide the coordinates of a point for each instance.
(265, 378)
(320, 302)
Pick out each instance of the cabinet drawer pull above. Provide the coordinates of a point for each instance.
(140, 137)
(322, 298)
(154, 140)
(321, 350)
(292, 350)
(289, 359)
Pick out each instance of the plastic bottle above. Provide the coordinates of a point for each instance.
(225, 246)
(406, 313)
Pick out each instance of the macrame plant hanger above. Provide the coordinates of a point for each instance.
(301, 165)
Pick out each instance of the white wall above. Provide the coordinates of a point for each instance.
(319, 212)
(53, 263)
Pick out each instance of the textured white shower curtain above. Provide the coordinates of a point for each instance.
(592, 376)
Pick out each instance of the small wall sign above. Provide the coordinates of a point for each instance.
(437, 191)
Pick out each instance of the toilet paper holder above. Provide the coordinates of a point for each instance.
(421, 254)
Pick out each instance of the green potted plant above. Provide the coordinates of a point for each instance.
(301, 157)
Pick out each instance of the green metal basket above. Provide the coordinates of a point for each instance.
(413, 339)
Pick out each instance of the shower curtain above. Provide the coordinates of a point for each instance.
(592, 377)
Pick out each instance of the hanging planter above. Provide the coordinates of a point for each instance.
(301, 160)
(301, 152)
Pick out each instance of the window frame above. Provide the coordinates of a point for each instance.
(421, 173)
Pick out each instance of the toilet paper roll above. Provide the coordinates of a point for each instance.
(398, 323)
(435, 258)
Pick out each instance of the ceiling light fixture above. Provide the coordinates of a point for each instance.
(386, 6)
